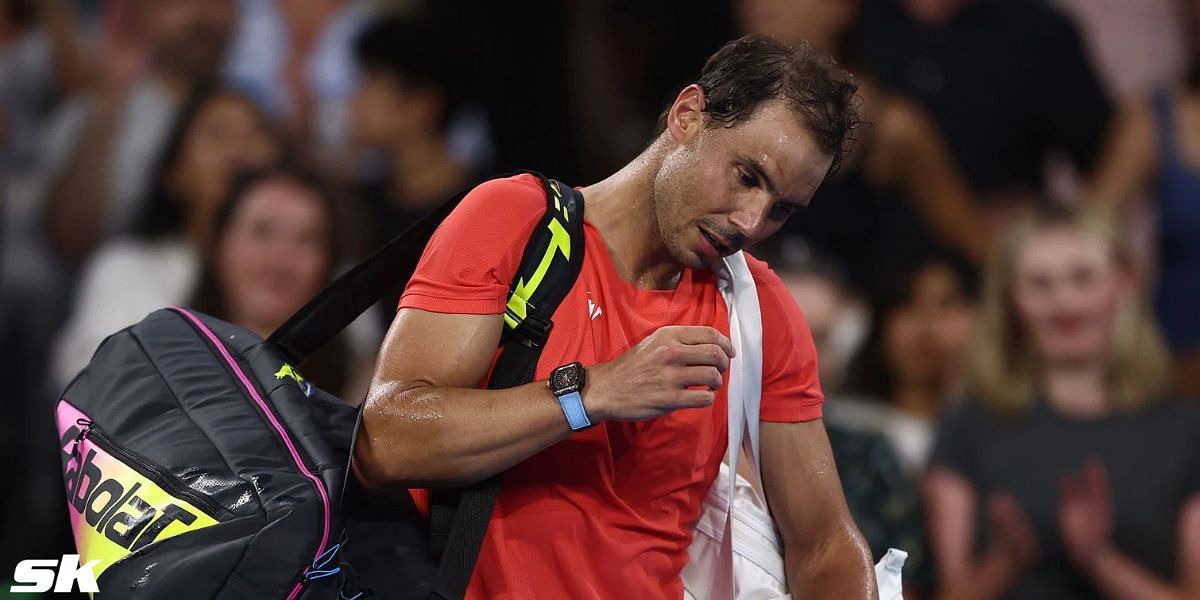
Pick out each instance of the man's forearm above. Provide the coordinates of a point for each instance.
(452, 436)
(840, 568)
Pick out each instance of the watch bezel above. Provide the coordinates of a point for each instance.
(574, 371)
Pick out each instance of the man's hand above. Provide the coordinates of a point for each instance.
(674, 367)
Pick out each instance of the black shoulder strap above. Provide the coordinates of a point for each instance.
(389, 268)
(549, 267)
(385, 271)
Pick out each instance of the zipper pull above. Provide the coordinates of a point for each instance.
(85, 427)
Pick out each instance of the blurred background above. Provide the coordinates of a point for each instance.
(1003, 280)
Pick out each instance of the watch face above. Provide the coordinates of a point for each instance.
(567, 379)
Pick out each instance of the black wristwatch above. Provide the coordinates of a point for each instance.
(566, 382)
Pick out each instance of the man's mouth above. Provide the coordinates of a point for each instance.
(722, 247)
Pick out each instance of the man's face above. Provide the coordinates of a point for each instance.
(721, 189)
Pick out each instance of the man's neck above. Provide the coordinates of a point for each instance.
(621, 208)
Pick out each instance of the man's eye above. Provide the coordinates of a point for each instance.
(748, 179)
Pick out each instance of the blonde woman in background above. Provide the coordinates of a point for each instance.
(1068, 475)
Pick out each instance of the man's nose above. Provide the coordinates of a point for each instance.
(750, 219)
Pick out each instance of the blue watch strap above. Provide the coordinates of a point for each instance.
(572, 406)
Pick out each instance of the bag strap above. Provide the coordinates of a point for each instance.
(385, 271)
(549, 267)
(388, 269)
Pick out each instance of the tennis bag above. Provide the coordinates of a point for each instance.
(199, 463)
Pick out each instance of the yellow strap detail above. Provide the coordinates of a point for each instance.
(560, 241)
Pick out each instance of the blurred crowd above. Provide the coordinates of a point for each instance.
(1002, 280)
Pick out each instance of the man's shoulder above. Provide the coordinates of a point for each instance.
(773, 294)
(521, 188)
(500, 207)
(785, 326)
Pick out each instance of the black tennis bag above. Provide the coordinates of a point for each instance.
(199, 463)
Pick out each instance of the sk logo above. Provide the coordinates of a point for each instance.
(40, 575)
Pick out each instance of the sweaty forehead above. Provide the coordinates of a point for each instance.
(778, 142)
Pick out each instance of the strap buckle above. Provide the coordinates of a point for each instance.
(533, 330)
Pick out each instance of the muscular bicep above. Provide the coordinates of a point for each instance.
(425, 348)
(422, 350)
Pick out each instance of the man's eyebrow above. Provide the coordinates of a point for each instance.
(755, 166)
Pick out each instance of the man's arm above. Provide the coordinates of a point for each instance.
(426, 423)
(825, 554)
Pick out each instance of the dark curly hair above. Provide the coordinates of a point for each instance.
(754, 69)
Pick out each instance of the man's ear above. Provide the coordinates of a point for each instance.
(686, 117)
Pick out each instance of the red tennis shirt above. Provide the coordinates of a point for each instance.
(608, 512)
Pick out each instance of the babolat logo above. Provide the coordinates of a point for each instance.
(114, 508)
(125, 517)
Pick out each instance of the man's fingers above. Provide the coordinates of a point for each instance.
(696, 335)
(707, 355)
(708, 377)
(696, 398)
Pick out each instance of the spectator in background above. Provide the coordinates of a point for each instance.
(899, 189)
(836, 313)
(910, 368)
(1069, 477)
(1006, 81)
(218, 133)
(102, 144)
(40, 62)
(274, 247)
(409, 94)
(295, 57)
(1136, 47)
(402, 109)
(1155, 143)
(881, 425)
(40, 59)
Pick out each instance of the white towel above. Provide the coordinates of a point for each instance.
(742, 557)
